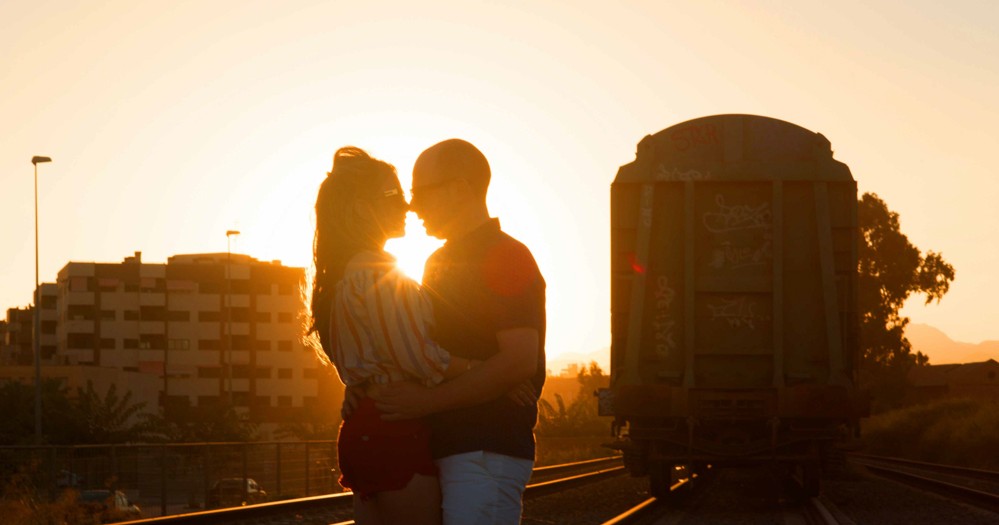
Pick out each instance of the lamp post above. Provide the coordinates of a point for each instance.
(228, 312)
(37, 330)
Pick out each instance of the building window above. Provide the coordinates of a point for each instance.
(240, 342)
(205, 401)
(263, 317)
(107, 284)
(210, 287)
(284, 373)
(151, 284)
(285, 289)
(178, 315)
(209, 317)
(239, 314)
(262, 345)
(284, 401)
(78, 284)
(241, 286)
(310, 373)
(152, 342)
(152, 313)
(284, 317)
(130, 344)
(209, 344)
(131, 315)
(80, 312)
(107, 343)
(48, 327)
(108, 315)
(80, 341)
(284, 346)
(209, 372)
(178, 344)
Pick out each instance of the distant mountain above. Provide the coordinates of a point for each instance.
(942, 350)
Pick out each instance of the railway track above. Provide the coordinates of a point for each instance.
(653, 511)
(974, 486)
(337, 507)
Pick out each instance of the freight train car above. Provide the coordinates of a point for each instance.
(733, 299)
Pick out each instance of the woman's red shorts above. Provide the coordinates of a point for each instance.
(378, 455)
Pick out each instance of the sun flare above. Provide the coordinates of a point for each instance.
(411, 251)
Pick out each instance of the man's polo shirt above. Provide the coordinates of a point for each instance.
(480, 284)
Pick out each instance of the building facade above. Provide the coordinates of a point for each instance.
(199, 330)
(17, 330)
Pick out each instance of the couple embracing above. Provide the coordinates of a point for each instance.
(442, 378)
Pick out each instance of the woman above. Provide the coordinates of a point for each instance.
(373, 325)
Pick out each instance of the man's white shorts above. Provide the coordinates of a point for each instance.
(483, 488)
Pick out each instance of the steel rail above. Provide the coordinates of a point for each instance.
(820, 511)
(552, 470)
(645, 510)
(343, 501)
(966, 472)
(987, 500)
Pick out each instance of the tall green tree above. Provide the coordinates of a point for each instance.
(107, 418)
(891, 270)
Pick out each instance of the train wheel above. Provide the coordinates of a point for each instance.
(660, 480)
(811, 475)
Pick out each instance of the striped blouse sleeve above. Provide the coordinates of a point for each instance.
(404, 321)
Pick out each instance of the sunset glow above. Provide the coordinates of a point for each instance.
(169, 125)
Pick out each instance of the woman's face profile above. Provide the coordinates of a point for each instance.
(390, 208)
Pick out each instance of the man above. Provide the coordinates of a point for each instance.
(489, 304)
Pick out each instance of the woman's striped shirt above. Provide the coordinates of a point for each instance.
(381, 324)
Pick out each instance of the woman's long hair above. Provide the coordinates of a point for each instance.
(340, 232)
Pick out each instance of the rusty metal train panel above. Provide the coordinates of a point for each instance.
(733, 293)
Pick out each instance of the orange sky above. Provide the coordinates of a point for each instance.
(170, 123)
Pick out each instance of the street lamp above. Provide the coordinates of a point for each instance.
(37, 331)
(228, 312)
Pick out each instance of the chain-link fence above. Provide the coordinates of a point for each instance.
(171, 479)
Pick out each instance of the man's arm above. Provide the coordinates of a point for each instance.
(515, 362)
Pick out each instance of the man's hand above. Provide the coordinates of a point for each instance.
(523, 394)
(403, 400)
(352, 396)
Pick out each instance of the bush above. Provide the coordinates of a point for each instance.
(951, 431)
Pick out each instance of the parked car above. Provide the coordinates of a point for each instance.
(230, 492)
(109, 505)
(66, 479)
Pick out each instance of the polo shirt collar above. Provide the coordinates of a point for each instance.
(487, 228)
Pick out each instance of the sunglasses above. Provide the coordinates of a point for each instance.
(422, 190)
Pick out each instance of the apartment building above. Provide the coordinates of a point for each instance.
(17, 330)
(198, 330)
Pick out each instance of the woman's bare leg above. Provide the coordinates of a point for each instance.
(418, 503)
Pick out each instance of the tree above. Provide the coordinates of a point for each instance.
(890, 270)
(211, 423)
(17, 404)
(580, 417)
(110, 418)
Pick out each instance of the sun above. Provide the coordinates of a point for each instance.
(411, 251)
